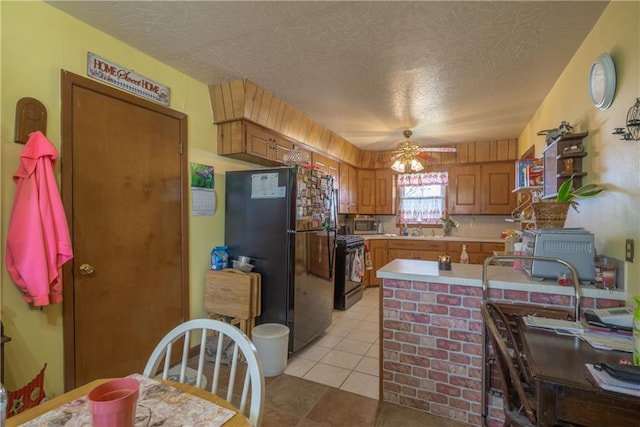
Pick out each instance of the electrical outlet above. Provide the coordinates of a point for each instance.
(629, 250)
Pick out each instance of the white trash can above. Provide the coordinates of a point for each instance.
(272, 342)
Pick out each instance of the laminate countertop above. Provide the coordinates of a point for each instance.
(437, 238)
(500, 277)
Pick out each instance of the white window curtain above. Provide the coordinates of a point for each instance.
(422, 197)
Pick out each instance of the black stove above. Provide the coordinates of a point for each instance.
(350, 268)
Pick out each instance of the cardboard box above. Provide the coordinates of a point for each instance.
(535, 175)
(522, 179)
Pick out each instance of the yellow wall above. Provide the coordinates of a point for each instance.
(38, 41)
(612, 216)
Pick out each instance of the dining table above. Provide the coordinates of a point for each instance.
(78, 395)
(565, 390)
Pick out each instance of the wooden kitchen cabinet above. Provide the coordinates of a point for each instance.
(326, 165)
(465, 189)
(348, 203)
(427, 250)
(247, 141)
(385, 203)
(474, 250)
(477, 251)
(484, 189)
(366, 191)
(379, 258)
(376, 192)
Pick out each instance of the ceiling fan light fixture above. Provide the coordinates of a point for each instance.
(416, 166)
(398, 166)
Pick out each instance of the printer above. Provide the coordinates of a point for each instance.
(573, 245)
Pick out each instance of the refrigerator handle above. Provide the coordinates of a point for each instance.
(331, 252)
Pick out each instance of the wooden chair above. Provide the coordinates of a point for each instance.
(243, 350)
(518, 398)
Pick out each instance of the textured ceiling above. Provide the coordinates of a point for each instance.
(451, 71)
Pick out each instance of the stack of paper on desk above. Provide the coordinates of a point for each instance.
(609, 341)
(558, 325)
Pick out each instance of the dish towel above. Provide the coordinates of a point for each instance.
(357, 270)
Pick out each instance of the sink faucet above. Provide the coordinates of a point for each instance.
(433, 233)
(417, 232)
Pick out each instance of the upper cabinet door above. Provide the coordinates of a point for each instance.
(366, 191)
(498, 181)
(328, 166)
(344, 198)
(385, 192)
(464, 189)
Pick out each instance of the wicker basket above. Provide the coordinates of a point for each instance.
(550, 214)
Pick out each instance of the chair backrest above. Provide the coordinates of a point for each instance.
(234, 346)
(516, 398)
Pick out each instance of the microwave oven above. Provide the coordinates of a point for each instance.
(363, 225)
(573, 245)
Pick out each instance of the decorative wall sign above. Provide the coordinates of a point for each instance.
(125, 79)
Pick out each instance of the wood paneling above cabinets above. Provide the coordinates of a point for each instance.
(243, 99)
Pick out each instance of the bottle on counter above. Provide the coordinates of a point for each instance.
(464, 256)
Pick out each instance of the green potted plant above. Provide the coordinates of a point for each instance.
(553, 213)
(566, 193)
(447, 224)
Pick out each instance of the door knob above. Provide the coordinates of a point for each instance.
(86, 269)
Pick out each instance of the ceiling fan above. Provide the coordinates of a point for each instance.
(408, 154)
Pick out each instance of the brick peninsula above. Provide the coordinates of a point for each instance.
(431, 331)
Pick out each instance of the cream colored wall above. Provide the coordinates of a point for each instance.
(612, 216)
(37, 41)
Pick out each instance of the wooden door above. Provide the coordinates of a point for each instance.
(378, 249)
(366, 191)
(280, 147)
(328, 166)
(464, 189)
(124, 177)
(385, 192)
(498, 182)
(344, 199)
(353, 192)
(258, 142)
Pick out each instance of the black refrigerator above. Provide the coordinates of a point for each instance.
(285, 220)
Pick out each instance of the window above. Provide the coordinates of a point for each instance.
(422, 197)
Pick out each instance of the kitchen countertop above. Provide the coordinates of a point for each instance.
(471, 275)
(437, 237)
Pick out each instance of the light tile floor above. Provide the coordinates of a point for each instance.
(347, 356)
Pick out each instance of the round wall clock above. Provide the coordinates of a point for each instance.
(602, 81)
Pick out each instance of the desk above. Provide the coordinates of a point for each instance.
(564, 390)
(238, 419)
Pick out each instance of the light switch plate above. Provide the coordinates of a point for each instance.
(629, 249)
